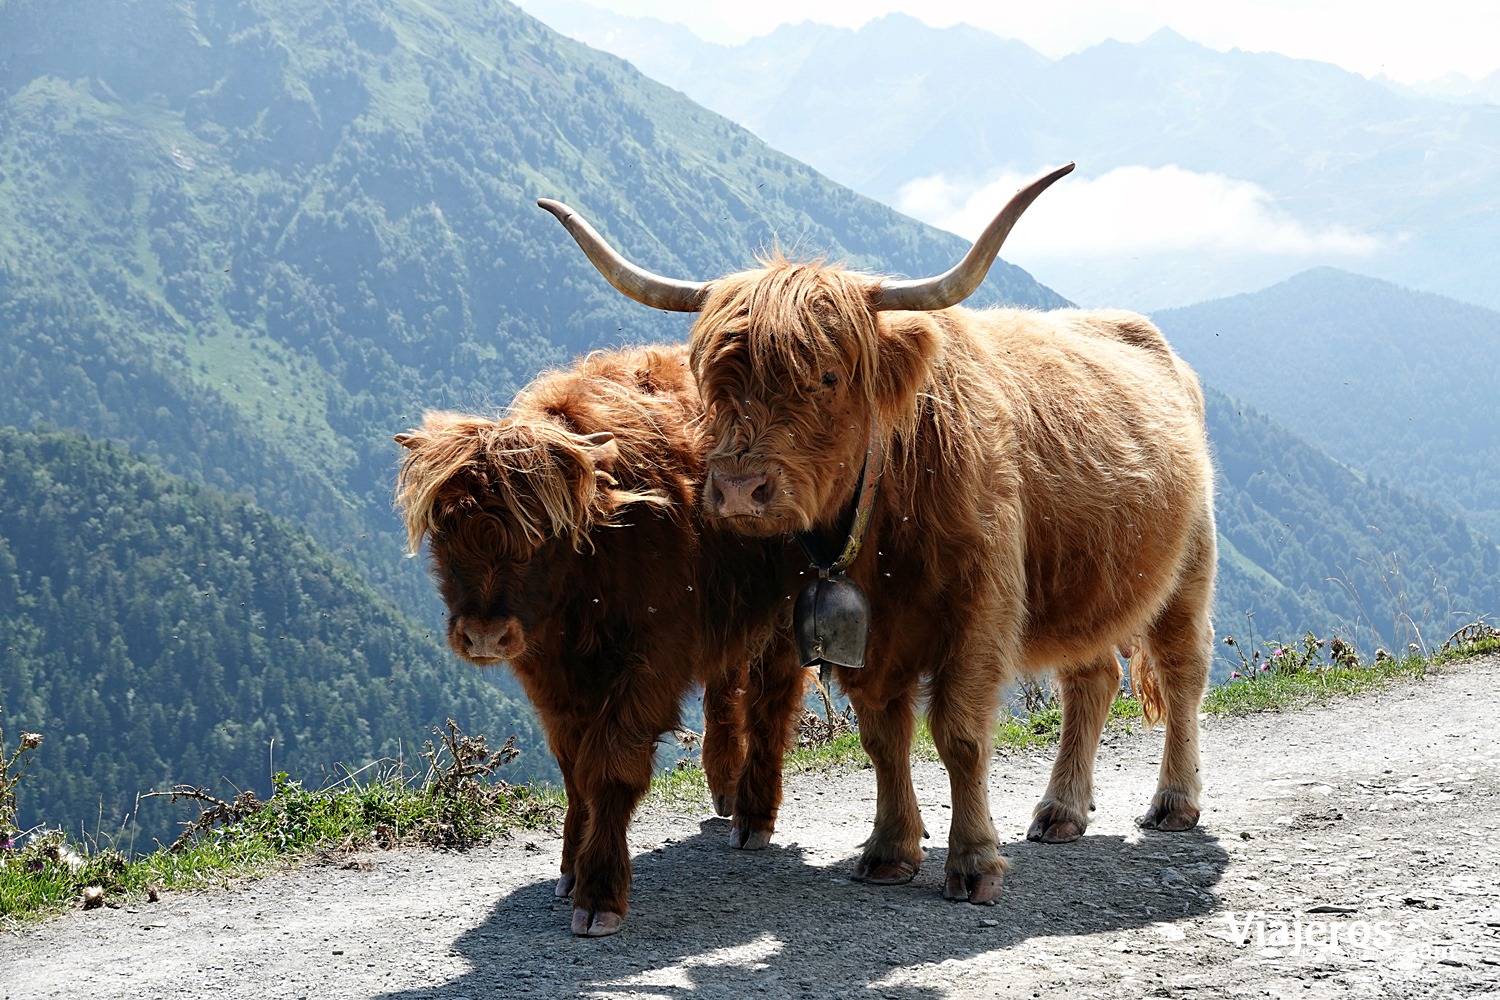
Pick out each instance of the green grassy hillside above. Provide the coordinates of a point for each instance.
(250, 241)
(323, 220)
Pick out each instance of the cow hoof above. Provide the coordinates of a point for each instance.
(884, 872)
(564, 887)
(1048, 831)
(1170, 812)
(1170, 823)
(589, 923)
(724, 804)
(1052, 822)
(749, 840)
(981, 890)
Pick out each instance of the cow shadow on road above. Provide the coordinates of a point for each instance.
(706, 920)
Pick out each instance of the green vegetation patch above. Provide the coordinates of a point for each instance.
(1313, 671)
(457, 802)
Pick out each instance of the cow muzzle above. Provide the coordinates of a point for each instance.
(486, 641)
(746, 494)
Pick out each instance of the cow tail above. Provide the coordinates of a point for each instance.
(1145, 682)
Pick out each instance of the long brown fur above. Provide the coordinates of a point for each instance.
(1047, 491)
(579, 558)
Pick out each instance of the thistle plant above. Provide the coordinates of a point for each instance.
(12, 768)
(1309, 654)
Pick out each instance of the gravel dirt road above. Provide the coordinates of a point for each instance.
(1345, 851)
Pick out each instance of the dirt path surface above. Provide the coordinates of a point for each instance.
(1374, 822)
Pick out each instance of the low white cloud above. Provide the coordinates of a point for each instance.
(1131, 210)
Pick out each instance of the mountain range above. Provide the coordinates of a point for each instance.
(257, 267)
(1201, 173)
(242, 242)
(251, 241)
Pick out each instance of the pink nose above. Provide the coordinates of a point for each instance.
(747, 494)
(486, 640)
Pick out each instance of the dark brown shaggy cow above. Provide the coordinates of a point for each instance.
(566, 540)
(1047, 495)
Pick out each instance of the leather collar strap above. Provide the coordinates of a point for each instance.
(864, 507)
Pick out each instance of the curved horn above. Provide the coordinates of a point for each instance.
(959, 283)
(631, 281)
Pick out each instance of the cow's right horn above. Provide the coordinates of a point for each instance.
(631, 281)
(957, 284)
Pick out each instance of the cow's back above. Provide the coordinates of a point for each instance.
(1091, 433)
(645, 397)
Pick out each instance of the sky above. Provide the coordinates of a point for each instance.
(1406, 40)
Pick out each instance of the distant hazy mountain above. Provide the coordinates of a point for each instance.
(1452, 87)
(1324, 166)
(1403, 384)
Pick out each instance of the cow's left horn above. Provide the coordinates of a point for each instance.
(631, 281)
(954, 286)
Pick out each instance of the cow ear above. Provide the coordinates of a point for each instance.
(602, 450)
(407, 440)
(909, 345)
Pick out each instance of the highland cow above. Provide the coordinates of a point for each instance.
(1046, 496)
(566, 540)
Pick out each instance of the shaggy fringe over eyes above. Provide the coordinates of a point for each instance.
(538, 479)
(786, 319)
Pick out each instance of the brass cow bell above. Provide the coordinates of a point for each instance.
(832, 623)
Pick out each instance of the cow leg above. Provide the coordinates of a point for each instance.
(576, 819)
(961, 714)
(1180, 649)
(724, 733)
(774, 694)
(613, 774)
(574, 823)
(893, 852)
(1088, 691)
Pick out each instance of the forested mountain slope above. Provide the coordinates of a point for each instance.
(1308, 543)
(251, 241)
(155, 631)
(1402, 383)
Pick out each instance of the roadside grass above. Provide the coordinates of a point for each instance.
(1289, 676)
(458, 801)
